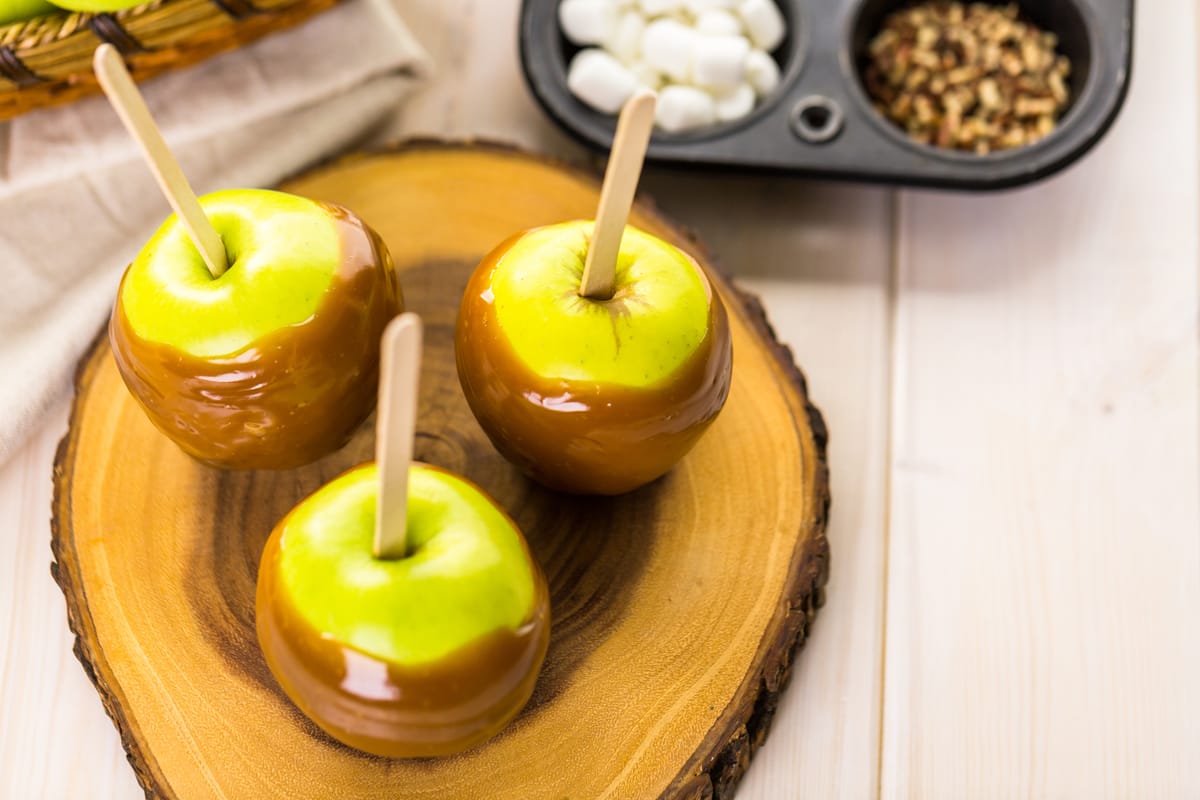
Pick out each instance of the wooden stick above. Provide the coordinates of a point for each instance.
(399, 371)
(127, 101)
(616, 196)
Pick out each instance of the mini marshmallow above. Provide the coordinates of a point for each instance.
(599, 80)
(682, 108)
(719, 23)
(736, 104)
(626, 41)
(647, 76)
(764, 21)
(658, 8)
(588, 21)
(762, 73)
(667, 46)
(708, 60)
(717, 61)
(698, 7)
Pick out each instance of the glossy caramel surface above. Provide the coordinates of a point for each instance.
(290, 397)
(577, 436)
(439, 708)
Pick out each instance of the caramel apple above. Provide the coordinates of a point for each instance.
(275, 361)
(427, 654)
(592, 395)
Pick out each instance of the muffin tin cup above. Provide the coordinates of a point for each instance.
(820, 122)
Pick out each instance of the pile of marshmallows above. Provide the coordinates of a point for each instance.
(709, 60)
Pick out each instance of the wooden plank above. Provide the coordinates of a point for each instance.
(55, 740)
(1044, 562)
(818, 255)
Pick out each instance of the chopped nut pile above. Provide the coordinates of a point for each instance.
(971, 77)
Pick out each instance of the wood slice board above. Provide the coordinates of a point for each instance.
(676, 609)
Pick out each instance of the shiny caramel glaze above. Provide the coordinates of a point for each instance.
(290, 397)
(581, 437)
(440, 708)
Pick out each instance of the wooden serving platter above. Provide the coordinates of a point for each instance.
(677, 609)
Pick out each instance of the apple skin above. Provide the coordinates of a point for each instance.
(426, 655)
(99, 7)
(20, 10)
(274, 363)
(592, 396)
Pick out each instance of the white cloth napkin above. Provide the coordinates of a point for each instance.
(76, 202)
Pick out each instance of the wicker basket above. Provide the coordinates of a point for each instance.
(48, 60)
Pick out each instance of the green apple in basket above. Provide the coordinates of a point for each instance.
(98, 6)
(21, 10)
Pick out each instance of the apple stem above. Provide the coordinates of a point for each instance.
(616, 196)
(127, 101)
(399, 372)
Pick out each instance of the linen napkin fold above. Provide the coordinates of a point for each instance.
(77, 203)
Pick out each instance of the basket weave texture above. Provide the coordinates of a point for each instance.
(48, 60)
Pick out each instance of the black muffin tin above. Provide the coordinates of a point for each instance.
(819, 121)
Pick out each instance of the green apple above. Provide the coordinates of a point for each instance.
(98, 6)
(21, 10)
(273, 363)
(592, 396)
(429, 654)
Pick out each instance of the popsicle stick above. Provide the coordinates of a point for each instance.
(616, 196)
(399, 371)
(127, 101)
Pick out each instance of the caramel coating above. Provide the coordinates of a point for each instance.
(441, 708)
(292, 396)
(580, 437)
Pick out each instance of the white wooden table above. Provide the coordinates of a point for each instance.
(1011, 382)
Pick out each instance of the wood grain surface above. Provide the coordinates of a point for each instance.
(677, 609)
